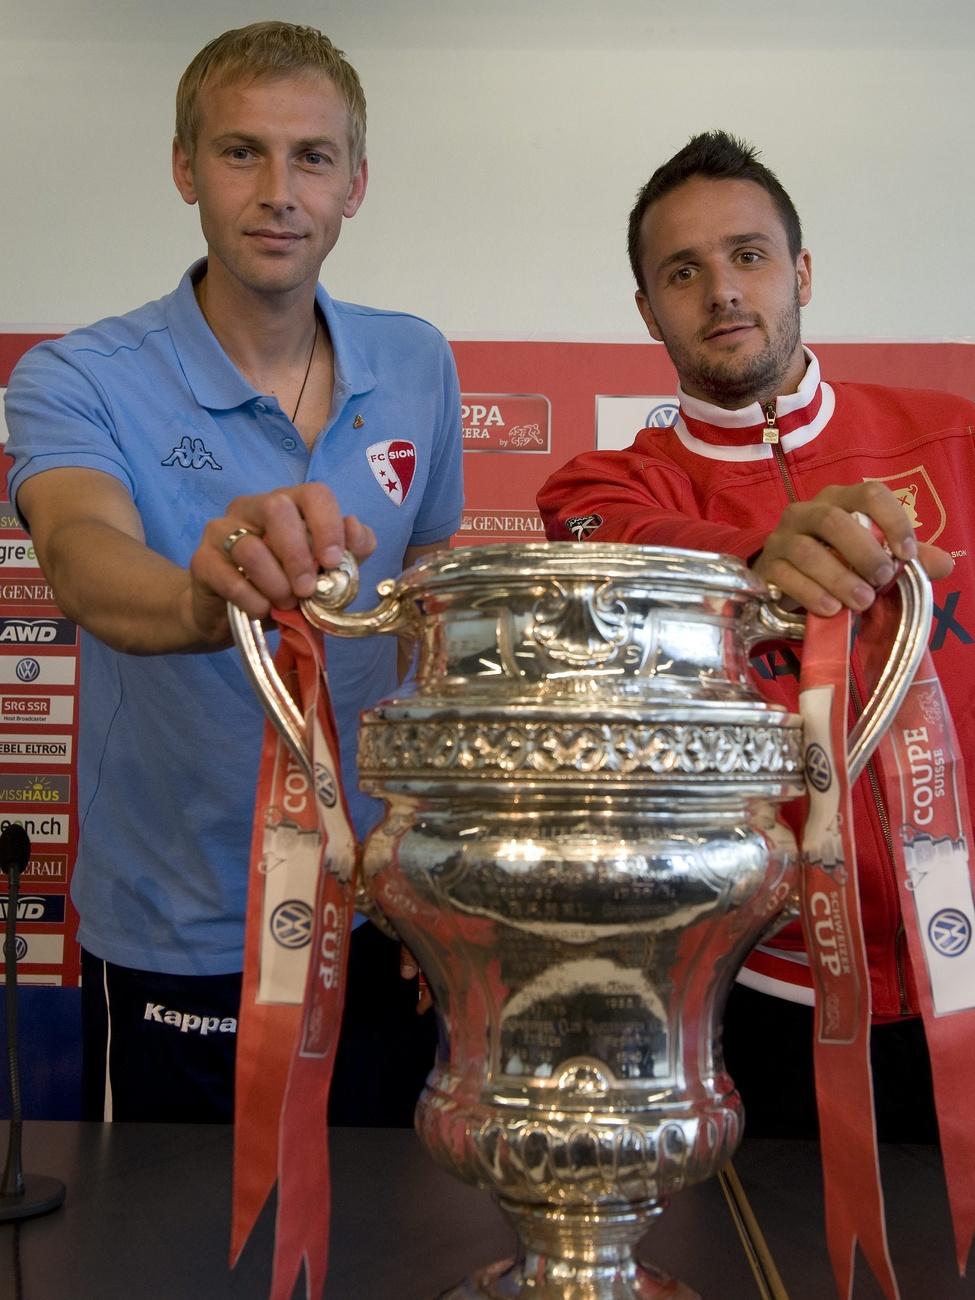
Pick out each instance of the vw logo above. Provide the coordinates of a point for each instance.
(324, 785)
(28, 670)
(20, 947)
(950, 932)
(818, 768)
(663, 415)
(291, 924)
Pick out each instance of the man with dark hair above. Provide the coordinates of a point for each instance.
(222, 444)
(769, 463)
(716, 156)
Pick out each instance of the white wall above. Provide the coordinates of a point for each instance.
(507, 139)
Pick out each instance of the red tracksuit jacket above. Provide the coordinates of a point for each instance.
(712, 483)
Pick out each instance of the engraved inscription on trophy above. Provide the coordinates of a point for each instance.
(608, 1014)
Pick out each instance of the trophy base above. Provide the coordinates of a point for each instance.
(574, 1255)
(509, 1280)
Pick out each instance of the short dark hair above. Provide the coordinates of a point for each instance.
(718, 156)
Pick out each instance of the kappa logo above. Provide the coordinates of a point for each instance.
(393, 464)
(583, 526)
(188, 1022)
(291, 924)
(520, 422)
(950, 932)
(190, 453)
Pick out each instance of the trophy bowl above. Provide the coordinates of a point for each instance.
(580, 847)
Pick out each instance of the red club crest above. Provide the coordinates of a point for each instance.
(919, 497)
(393, 464)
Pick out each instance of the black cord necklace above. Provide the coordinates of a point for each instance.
(311, 355)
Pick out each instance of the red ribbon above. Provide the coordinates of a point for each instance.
(838, 962)
(291, 1007)
(920, 770)
(932, 832)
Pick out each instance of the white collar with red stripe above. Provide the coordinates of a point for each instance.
(718, 434)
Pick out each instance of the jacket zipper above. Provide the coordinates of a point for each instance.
(770, 435)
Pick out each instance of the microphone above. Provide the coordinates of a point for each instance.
(21, 1196)
(14, 849)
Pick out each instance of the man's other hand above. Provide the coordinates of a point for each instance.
(822, 557)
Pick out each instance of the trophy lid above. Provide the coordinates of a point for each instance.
(656, 566)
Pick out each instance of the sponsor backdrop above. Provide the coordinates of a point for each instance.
(527, 408)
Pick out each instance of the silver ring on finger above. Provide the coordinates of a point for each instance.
(231, 540)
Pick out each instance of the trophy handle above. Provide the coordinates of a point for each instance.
(771, 621)
(277, 700)
(334, 589)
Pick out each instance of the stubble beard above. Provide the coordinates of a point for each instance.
(734, 383)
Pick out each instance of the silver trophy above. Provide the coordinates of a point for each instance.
(580, 847)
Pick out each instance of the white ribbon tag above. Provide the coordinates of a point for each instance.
(290, 863)
(939, 875)
(822, 839)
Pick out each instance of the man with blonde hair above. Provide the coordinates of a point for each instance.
(222, 444)
(263, 50)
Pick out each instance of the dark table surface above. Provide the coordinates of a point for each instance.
(147, 1212)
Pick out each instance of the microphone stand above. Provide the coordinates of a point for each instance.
(21, 1196)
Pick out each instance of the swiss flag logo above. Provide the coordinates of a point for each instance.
(393, 464)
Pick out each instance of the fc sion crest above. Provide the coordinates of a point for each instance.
(922, 505)
(393, 464)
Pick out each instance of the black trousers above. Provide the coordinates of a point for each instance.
(768, 1048)
(168, 1042)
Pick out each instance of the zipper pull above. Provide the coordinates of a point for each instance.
(771, 431)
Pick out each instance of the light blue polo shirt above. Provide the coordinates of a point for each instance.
(169, 744)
